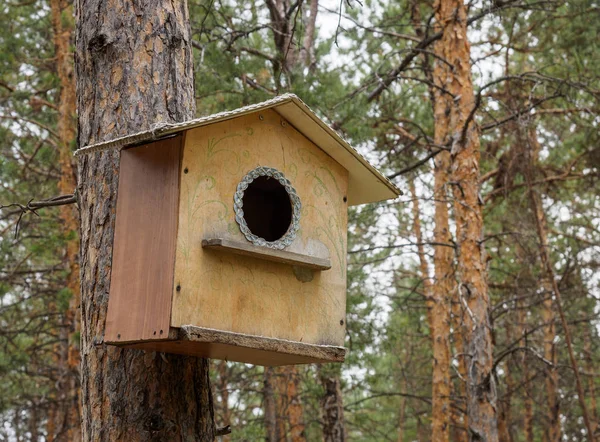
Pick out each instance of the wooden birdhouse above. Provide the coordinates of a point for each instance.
(230, 236)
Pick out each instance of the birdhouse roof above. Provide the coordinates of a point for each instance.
(366, 183)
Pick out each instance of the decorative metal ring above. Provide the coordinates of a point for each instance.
(238, 207)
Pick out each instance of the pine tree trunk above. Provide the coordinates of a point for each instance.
(591, 368)
(548, 267)
(552, 429)
(291, 406)
(65, 422)
(332, 409)
(270, 406)
(134, 69)
(472, 289)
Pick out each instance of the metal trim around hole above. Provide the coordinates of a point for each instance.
(238, 207)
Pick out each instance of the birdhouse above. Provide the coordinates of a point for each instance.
(230, 236)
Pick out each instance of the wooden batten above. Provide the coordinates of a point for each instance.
(282, 256)
(139, 306)
(217, 344)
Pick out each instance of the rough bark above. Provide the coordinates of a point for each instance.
(270, 406)
(332, 409)
(134, 69)
(65, 421)
(290, 404)
(438, 307)
(471, 270)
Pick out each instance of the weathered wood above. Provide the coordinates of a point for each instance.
(145, 234)
(242, 294)
(134, 69)
(259, 350)
(281, 256)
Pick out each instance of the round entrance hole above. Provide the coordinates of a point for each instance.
(267, 208)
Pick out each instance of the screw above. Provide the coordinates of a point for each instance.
(260, 117)
(284, 123)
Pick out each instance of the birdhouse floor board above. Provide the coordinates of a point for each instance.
(258, 350)
(282, 256)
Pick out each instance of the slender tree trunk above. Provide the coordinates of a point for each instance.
(473, 291)
(291, 406)
(438, 308)
(65, 421)
(270, 406)
(402, 412)
(134, 69)
(307, 53)
(552, 429)
(590, 367)
(332, 408)
(505, 409)
(445, 283)
(547, 265)
(522, 330)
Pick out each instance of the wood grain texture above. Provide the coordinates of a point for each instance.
(217, 344)
(282, 256)
(144, 246)
(243, 294)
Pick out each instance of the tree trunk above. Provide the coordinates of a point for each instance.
(552, 429)
(548, 267)
(590, 367)
(65, 421)
(438, 307)
(332, 408)
(270, 406)
(472, 288)
(134, 69)
(290, 404)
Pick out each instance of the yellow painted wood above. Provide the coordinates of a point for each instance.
(243, 294)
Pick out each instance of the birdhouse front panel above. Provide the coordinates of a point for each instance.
(256, 183)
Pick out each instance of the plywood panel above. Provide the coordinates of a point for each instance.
(246, 294)
(141, 286)
(216, 344)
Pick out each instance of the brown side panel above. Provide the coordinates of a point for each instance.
(143, 263)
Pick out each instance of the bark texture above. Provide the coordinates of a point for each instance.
(289, 403)
(134, 69)
(334, 429)
(471, 271)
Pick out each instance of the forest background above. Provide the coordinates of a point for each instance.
(389, 77)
